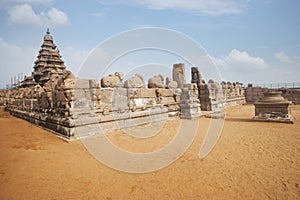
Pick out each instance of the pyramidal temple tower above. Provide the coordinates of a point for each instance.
(48, 61)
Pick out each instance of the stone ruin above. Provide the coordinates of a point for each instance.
(210, 95)
(234, 93)
(179, 74)
(215, 96)
(53, 98)
(46, 97)
(254, 94)
(190, 106)
(291, 94)
(274, 108)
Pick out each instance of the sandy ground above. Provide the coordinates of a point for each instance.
(252, 160)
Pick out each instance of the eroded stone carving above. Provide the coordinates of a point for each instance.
(170, 83)
(156, 82)
(211, 96)
(112, 80)
(48, 62)
(196, 76)
(137, 81)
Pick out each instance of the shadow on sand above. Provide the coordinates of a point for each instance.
(230, 119)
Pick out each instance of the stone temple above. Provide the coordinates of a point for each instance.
(48, 63)
(53, 98)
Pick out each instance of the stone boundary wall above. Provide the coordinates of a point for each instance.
(53, 98)
(72, 101)
(66, 104)
(215, 96)
(234, 93)
(291, 94)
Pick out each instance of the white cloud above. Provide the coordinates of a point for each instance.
(241, 59)
(24, 14)
(9, 3)
(201, 7)
(57, 17)
(282, 57)
(241, 66)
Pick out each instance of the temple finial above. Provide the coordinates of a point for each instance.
(48, 31)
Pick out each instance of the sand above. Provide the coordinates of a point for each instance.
(252, 160)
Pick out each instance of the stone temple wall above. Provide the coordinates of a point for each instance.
(120, 105)
(234, 93)
(211, 96)
(53, 98)
(66, 103)
(49, 106)
(215, 96)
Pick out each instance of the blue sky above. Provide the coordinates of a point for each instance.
(254, 41)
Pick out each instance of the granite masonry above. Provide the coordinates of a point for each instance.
(273, 108)
(53, 98)
(254, 94)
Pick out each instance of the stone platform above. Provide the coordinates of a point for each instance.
(273, 108)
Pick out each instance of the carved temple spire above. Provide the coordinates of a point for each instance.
(48, 61)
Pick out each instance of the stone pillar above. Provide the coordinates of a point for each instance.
(179, 74)
(196, 76)
(189, 102)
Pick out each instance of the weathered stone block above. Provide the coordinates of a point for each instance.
(94, 83)
(120, 99)
(107, 95)
(112, 80)
(79, 94)
(82, 83)
(167, 92)
(135, 82)
(167, 100)
(147, 93)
